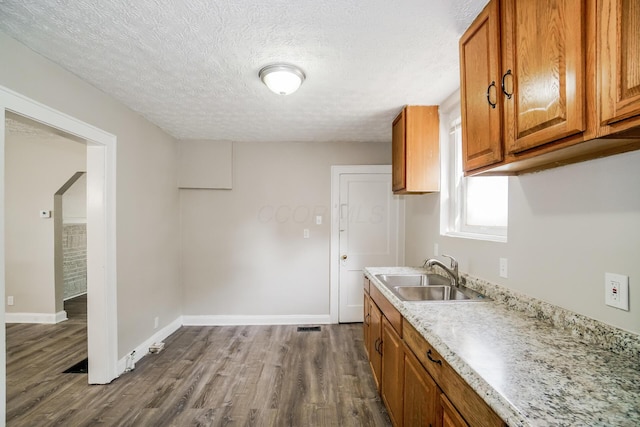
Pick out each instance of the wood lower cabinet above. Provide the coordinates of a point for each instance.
(421, 395)
(417, 385)
(392, 372)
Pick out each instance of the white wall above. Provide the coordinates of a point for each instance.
(567, 227)
(147, 194)
(36, 165)
(243, 251)
(74, 202)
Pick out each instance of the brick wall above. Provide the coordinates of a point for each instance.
(74, 250)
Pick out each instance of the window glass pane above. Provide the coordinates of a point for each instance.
(487, 201)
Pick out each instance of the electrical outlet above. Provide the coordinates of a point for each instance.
(156, 323)
(436, 249)
(616, 290)
(10, 300)
(503, 268)
(305, 233)
(318, 220)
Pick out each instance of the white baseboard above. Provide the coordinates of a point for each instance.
(255, 320)
(143, 349)
(47, 318)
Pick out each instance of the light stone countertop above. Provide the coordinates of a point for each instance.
(530, 371)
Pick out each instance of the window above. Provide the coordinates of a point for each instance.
(472, 207)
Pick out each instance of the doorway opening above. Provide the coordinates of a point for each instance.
(101, 232)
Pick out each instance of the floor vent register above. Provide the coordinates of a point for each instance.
(309, 329)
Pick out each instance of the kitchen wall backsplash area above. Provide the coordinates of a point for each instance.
(585, 328)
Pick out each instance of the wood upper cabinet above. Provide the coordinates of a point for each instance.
(543, 63)
(421, 395)
(415, 150)
(481, 101)
(392, 372)
(564, 85)
(619, 59)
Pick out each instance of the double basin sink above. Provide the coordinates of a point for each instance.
(427, 287)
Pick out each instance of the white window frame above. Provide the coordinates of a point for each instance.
(452, 194)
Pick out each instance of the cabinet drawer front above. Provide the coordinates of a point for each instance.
(390, 312)
(430, 359)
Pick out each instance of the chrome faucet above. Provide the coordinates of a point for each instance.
(452, 271)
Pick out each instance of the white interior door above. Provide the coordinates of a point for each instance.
(370, 235)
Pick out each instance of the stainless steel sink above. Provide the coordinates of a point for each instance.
(392, 280)
(427, 288)
(430, 293)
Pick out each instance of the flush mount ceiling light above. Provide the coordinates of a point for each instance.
(282, 79)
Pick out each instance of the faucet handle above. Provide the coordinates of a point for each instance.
(454, 262)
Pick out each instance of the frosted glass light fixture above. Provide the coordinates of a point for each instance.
(282, 79)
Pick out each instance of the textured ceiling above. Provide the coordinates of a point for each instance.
(191, 67)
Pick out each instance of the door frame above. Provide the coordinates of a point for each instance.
(102, 322)
(334, 252)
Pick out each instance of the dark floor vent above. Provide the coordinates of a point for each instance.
(308, 328)
(79, 368)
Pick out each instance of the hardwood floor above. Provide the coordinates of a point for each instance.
(222, 376)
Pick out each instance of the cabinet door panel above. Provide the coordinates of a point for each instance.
(620, 59)
(479, 85)
(546, 53)
(392, 372)
(421, 393)
(366, 325)
(375, 338)
(450, 417)
(398, 153)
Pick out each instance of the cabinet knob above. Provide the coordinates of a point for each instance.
(343, 257)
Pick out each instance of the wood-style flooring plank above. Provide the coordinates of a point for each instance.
(206, 376)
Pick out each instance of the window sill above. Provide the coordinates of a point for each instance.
(476, 236)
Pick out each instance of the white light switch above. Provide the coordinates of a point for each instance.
(318, 220)
(616, 290)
